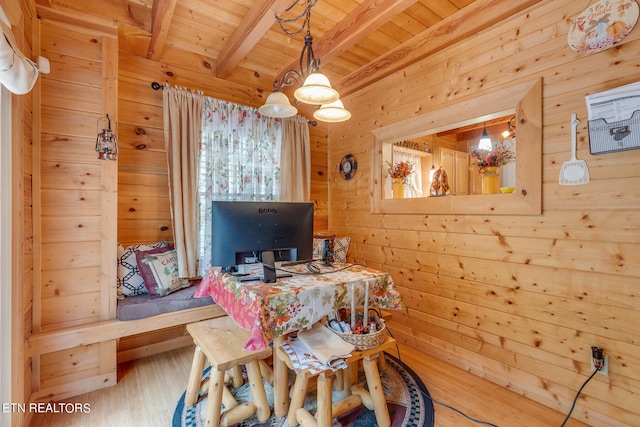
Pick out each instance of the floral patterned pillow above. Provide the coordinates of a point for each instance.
(164, 267)
(145, 270)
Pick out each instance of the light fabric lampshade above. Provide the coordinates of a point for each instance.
(278, 105)
(485, 142)
(316, 90)
(333, 112)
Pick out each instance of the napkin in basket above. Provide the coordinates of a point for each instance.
(324, 344)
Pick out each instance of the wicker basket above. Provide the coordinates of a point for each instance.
(366, 341)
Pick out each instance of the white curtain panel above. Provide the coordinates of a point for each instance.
(17, 72)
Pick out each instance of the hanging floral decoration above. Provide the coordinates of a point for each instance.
(499, 156)
(399, 170)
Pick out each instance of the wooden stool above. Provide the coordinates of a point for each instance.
(356, 395)
(220, 341)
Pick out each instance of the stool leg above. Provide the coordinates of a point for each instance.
(376, 392)
(214, 401)
(280, 381)
(382, 362)
(348, 377)
(257, 390)
(195, 377)
(300, 389)
(338, 383)
(236, 376)
(323, 415)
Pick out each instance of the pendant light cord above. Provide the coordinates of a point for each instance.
(305, 16)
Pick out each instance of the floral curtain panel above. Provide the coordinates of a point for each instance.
(239, 160)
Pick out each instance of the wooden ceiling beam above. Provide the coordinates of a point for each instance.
(161, 16)
(252, 28)
(469, 20)
(357, 25)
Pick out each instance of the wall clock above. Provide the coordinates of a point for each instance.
(348, 166)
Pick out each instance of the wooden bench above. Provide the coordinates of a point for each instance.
(49, 342)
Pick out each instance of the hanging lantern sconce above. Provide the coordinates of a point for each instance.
(106, 141)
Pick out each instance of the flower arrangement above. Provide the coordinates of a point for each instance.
(399, 170)
(499, 156)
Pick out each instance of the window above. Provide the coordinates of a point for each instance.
(239, 160)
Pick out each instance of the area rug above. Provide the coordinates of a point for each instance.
(407, 399)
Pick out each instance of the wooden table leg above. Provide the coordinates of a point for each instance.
(195, 377)
(280, 381)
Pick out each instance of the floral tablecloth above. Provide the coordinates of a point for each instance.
(270, 310)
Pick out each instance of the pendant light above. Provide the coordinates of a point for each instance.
(333, 112)
(485, 142)
(278, 106)
(315, 88)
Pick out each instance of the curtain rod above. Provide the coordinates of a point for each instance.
(158, 86)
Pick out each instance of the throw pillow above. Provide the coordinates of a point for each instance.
(317, 244)
(130, 282)
(145, 270)
(341, 249)
(165, 271)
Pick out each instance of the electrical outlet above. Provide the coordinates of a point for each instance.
(605, 366)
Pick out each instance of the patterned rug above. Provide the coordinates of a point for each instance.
(403, 389)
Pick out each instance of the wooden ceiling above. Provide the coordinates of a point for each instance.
(357, 41)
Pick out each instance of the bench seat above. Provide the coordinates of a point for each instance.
(142, 306)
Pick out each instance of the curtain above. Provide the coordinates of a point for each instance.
(415, 179)
(239, 160)
(17, 72)
(295, 160)
(182, 131)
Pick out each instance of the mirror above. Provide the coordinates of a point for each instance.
(467, 165)
(442, 136)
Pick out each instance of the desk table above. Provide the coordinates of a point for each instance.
(270, 311)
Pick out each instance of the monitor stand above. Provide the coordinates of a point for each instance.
(269, 267)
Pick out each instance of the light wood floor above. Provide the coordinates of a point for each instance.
(149, 388)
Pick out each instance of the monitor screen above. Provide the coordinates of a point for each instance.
(242, 230)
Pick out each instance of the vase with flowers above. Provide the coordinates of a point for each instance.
(488, 162)
(399, 173)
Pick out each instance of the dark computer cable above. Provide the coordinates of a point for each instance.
(598, 359)
(598, 367)
(314, 268)
(438, 402)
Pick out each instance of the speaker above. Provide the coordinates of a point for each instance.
(268, 267)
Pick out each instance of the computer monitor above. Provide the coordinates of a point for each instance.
(241, 231)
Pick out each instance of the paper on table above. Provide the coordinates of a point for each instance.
(325, 344)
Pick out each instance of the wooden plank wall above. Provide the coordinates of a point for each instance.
(21, 15)
(76, 204)
(518, 300)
